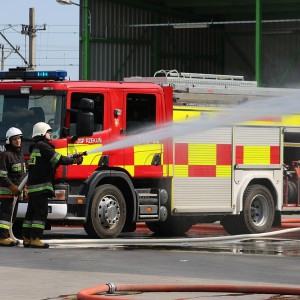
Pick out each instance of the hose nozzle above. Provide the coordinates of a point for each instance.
(80, 154)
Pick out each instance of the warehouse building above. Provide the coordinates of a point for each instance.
(256, 39)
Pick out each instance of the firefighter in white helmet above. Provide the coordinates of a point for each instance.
(41, 170)
(12, 172)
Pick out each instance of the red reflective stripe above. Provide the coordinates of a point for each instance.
(239, 155)
(6, 197)
(129, 156)
(202, 171)
(224, 154)
(181, 154)
(149, 171)
(274, 155)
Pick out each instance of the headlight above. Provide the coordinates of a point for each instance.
(60, 194)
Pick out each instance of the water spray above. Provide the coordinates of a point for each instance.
(249, 111)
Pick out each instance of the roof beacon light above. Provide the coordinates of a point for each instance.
(23, 74)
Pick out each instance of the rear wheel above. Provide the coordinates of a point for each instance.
(173, 226)
(107, 212)
(259, 209)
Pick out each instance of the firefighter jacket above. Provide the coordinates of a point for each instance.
(12, 170)
(42, 164)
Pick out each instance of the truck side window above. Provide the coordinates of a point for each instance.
(140, 113)
(98, 110)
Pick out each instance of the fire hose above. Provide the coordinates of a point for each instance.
(111, 288)
(20, 188)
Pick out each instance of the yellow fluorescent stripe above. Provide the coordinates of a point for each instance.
(181, 171)
(165, 170)
(290, 120)
(130, 169)
(223, 171)
(202, 154)
(181, 113)
(91, 159)
(256, 155)
(143, 154)
(171, 170)
(182, 116)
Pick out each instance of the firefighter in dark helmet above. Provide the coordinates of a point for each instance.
(41, 170)
(12, 172)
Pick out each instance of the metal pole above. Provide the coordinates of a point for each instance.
(15, 49)
(32, 35)
(85, 39)
(2, 59)
(258, 43)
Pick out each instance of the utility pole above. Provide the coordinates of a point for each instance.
(31, 30)
(2, 57)
(32, 36)
(15, 49)
(10, 50)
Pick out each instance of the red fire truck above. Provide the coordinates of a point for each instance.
(244, 176)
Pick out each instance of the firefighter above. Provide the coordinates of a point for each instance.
(12, 172)
(41, 170)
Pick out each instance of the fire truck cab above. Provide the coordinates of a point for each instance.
(85, 116)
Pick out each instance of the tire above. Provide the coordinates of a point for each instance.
(107, 213)
(173, 226)
(259, 210)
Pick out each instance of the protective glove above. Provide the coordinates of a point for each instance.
(78, 159)
(25, 192)
(14, 190)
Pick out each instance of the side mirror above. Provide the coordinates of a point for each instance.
(86, 105)
(85, 118)
(84, 123)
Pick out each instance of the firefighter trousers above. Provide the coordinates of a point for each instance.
(36, 216)
(6, 211)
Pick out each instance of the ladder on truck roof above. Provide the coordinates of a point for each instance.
(185, 79)
(190, 82)
(211, 90)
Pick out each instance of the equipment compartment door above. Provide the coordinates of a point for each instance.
(203, 172)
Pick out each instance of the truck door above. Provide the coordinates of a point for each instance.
(143, 114)
(94, 142)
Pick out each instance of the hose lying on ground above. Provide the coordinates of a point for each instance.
(111, 288)
(178, 241)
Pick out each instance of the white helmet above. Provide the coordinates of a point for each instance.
(11, 132)
(40, 129)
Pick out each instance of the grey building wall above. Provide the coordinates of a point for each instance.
(118, 49)
(280, 53)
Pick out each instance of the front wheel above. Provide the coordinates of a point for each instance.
(259, 209)
(107, 212)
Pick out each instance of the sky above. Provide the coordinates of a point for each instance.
(57, 47)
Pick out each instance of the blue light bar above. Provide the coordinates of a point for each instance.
(23, 74)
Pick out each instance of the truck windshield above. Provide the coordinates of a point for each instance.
(23, 111)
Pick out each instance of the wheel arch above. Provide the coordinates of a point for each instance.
(267, 182)
(117, 178)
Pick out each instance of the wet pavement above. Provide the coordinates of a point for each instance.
(64, 270)
(285, 244)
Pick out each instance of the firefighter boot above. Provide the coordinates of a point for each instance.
(37, 243)
(7, 242)
(26, 242)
